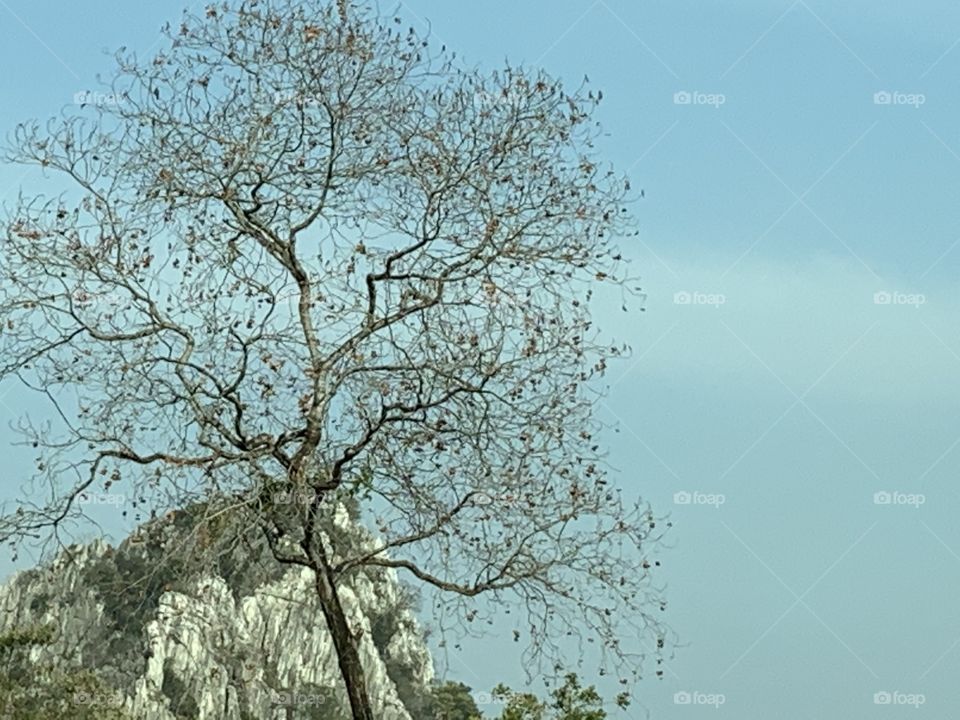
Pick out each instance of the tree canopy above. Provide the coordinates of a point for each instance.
(305, 256)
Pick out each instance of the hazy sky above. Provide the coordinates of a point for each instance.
(800, 352)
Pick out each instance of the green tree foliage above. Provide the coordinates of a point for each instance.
(32, 691)
(453, 701)
(570, 701)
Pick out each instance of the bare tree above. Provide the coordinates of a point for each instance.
(305, 255)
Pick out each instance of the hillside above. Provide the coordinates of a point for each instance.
(235, 637)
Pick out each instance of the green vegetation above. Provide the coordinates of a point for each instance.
(453, 701)
(128, 583)
(43, 691)
(570, 701)
(32, 690)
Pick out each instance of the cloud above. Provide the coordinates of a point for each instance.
(828, 322)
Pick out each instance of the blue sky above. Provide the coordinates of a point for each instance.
(800, 244)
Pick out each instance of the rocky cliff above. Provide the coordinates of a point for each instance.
(239, 637)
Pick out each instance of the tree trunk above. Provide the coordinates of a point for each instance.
(344, 641)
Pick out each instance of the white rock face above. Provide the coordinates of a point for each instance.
(205, 653)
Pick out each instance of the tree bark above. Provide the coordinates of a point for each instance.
(345, 642)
